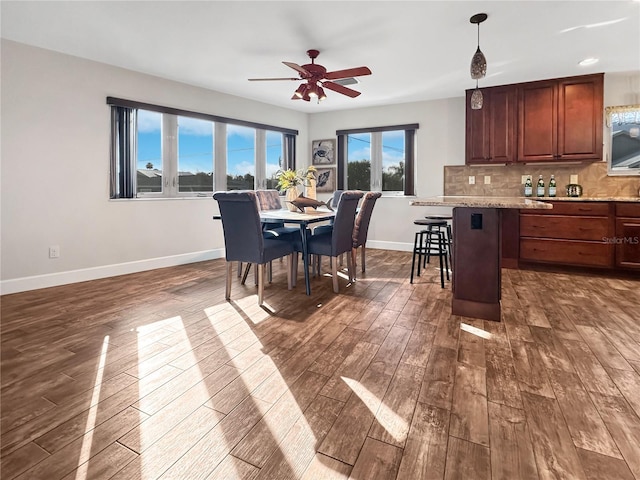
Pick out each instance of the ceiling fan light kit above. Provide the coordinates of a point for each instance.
(316, 76)
(478, 64)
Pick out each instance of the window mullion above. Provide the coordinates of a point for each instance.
(169, 155)
(261, 159)
(220, 156)
(376, 161)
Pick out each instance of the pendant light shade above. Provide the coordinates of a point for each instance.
(476, 99)
(478, 64)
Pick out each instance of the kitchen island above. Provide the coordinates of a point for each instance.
(477, 250)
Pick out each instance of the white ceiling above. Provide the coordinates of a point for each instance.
(417, 50)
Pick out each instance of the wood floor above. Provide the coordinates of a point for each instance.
(154, 375)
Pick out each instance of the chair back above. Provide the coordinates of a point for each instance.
(361, 225)
(243, 239)
(268, 199)
(336, 198)
(341, 237)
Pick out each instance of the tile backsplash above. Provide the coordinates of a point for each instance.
(506, 179)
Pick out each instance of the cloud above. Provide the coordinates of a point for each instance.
(149, 122)
(195, 126)
(241, 168)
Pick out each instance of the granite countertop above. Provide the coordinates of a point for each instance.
(590, 199)
(480, 202)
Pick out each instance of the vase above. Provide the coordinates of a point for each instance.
(292, 194)
(310, 192)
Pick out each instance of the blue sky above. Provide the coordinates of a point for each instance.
(196, 142)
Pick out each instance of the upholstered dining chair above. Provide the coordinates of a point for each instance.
(270, 200)
(244, 240)
(361, 229)
(337, 240)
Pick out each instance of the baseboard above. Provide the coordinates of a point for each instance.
(74, 276)
(400, 246)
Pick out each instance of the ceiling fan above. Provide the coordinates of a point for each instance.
(316, 77)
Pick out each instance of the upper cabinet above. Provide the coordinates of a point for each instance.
(490, 136)
(560, 120)
(545, 121)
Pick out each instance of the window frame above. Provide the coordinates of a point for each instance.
(123, 164)
(376, 157)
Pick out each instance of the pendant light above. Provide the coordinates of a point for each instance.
(478, 64)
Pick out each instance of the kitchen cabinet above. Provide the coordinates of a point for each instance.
(627, 237)
(560, 119)
(490, 131)
(570, 234)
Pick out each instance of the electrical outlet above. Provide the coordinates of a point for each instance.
(54, 251)
(472, 180)
(574, 179)
(523, 179)
(487, 179)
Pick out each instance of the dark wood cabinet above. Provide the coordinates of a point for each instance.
(561, 119)
(543, 121)
(490, 131)
(627, 237)
(570, 234)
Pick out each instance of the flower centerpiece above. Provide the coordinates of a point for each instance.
(288, 181)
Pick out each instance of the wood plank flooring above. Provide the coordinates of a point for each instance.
(153, 375)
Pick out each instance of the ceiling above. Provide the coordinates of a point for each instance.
(417, 50)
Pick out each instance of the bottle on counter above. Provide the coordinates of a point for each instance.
(552, 186)
(528, 187)
(540, 188)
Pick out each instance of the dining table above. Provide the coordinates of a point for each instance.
(303, 220)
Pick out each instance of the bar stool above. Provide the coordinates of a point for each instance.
(430, 242)
(448, 219)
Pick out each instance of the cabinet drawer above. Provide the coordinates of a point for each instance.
(628, 209)
(627, 242)
(567, 252)
(564, 227)
(573, 208)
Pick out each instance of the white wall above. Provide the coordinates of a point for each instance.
(440, 142)
(55, 172)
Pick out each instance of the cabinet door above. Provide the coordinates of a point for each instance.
(490, 131)
(627, 241)
(477, 131)
(502, 113)
(537, 121)
(580, 118)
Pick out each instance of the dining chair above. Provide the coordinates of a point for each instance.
(270, 200)
(361, 229)
(339, 239)
(244, 240)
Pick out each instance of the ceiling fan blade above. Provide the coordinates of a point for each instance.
(269, 79)
(349, 72)
(297, 68)
(336, 87)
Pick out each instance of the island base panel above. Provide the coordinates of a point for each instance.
(477, 255)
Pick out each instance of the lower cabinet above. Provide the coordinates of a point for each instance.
(627, 237)
(578, 234)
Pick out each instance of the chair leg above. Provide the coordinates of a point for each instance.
(270, 272)
(334, 275)
(351, 269)
(289, 273)
(415, 252)
(246, 272)
(362, 258)
(354, 254)
(239, 269)
(260, 269)
(227, 291)
(294, 268)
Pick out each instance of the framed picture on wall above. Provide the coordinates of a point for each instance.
(326, 180)
(323, 152)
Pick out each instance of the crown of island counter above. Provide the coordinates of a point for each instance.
(477, 223)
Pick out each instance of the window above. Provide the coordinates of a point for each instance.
(378, 159)
(164, 152)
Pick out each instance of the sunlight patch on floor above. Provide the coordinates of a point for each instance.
(475, 331)
(387, 418)
(87, 440)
